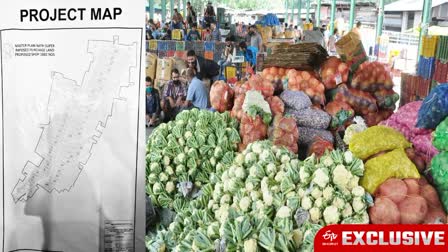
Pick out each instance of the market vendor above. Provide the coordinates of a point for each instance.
(254, 38)
(152, 103)
(197, 94)
(204, 68)
(228, 54)
(174, 96)
(250, 54)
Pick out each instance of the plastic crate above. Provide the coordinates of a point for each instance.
(180, 46)
(198, 46)
(442, 49)
(162, 45)
(208, 55)
(162, 54)
(181, 54)
(171, 45)
(441, 72)
(189, 45)
(176, 34)
(170, 54)
(153, 45)
(209, 46)
(429, 46)
(230, 72)
(425, 67)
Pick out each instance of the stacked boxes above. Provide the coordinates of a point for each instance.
(426, 63)
(441, 68)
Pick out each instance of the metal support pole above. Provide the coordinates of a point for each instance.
(332, 16)
(299, 7)
(287, 11)
(171, 9)
(352, 14)
(163, 11)
(292, 11)
(151, 9)
(307, 11)
(426, 19)
(317, 14)
(379, 27)
(184, 2)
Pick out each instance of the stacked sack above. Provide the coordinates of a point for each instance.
(383, 151)
(307, 82)
(404, 120)
(312, 122)
(406, 201)
(285, 133)
(439, 164)
(221, 96)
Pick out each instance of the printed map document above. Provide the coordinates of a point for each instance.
(72, 109)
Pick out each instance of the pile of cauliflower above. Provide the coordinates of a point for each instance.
(268, 200)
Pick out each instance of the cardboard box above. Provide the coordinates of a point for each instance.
(351, 50)
(151, 65)
(164, 67)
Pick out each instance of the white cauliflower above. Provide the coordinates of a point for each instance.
(250, 245)
(319, 202)
(170, 187)
(169, 170)
(358, 191)
(315, 214)
(294, 163)
(328, 161)
(348, 157)
(250, 158)
(354, 181)
(267, 198)
(341, 176)
(275, 189)
(240, 172)
(163, 177)
(297, 237)
(303, 174)
(284, 212)
(321, 178)
(316, 193)
(358, 204)
(327, 193)
(249, 186)
(259, 205)
(210, 204)
(285, 159)
(306, 203)
(245, 204)
(257, 148)
(255, 195)
(264, 184)
(225, 199)
(348, 211)
(280, 176)
(239, 159)
(271, 169)
(338, 202)
(301, 192)
(331, 215)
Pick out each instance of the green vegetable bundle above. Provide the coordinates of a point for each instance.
(188, 149)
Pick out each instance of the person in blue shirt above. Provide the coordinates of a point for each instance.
(250, 53)
(193, 34)
(152, 103)
(197, 94)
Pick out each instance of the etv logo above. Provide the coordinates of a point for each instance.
(330, 235)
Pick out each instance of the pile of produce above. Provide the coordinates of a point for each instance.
(439, 164)
(269, 200)
(285, 133)
(371, 77)
(383, 149)
(341, 114)
(407, 201)
(182, 154)
(312, 122)
(307, 82)
(404, 120)
(256, 83)
(334, 72)
(303, 56)
(221, 96)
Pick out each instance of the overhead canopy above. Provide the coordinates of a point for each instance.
(411, 5)
(270, 20)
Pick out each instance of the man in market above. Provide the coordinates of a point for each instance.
(229, 52)
(174, 95)
(193, 34)
(197, 94)
(331, 46)
(250, 54)
(191, 15)
(152, 103)
(254, 39)
(209, 14)
(177, 20)
(215, 33)
(204, 68)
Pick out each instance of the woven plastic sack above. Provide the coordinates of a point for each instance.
(319, 146)
(237, 110)
(376, 139)
(434, 108)
(407, 201)
(276, 104)
(439, 173)
(362, 102)
(285, 133)
(307, 136)
(310, 118)
(394, 164)
(221, 96)
(252, 129)
(295, 99)
(257, 83)
(441, 136)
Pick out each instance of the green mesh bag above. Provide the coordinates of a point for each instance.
(441, 136)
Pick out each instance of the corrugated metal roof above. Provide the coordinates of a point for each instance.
(411, 5)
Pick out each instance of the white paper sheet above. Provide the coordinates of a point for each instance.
(72, 152)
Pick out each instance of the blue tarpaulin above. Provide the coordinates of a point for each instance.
(270, 20)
